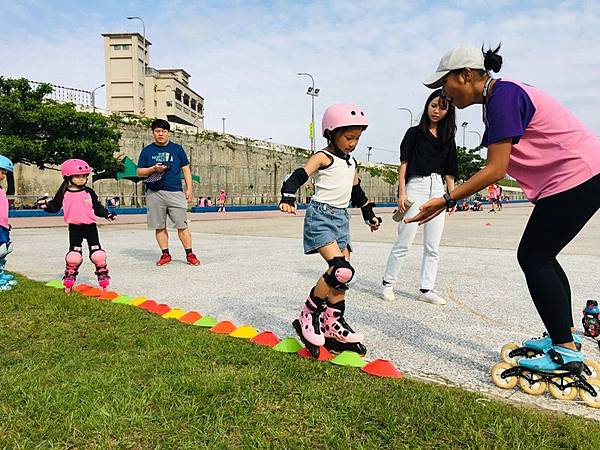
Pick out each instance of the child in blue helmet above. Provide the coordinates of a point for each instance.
(6, 281)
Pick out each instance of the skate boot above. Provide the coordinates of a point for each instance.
(339, 336)
(69, 279)
(73, 260)
(103, 278)
(512, 351)
(3, 275)
(559, 369)
(308, 326)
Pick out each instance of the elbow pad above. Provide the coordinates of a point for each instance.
(292, 184)
(358, 198)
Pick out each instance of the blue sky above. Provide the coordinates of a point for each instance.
(244, 55)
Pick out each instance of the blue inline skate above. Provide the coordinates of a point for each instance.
(558, 369)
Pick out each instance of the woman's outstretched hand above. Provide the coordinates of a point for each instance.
(428, 211)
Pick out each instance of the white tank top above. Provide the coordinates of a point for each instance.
(333, 184)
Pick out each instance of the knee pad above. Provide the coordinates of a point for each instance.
(97, 256)
(5, 249)
(74, 258)
(341, 274)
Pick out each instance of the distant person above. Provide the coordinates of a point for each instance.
(556, 160)
(201, 202)
(162, 162)
(209, 201)
(499, 196)
(427, 157)
(221, 200)
(492, 197)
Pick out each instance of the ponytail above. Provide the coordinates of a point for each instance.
(492, 61)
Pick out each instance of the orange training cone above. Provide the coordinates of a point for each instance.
(324, 354)
(382, 368)
(267, 338)
(82, 287)
(223, 327)
(109, 295)
(190, 317)
(148, 305)
(161, 309)
(93, 292)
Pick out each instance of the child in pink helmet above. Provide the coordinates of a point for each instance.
(81, 206)
(326, 228)
(7, 281)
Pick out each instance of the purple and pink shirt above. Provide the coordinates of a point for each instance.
(3, 209)
(79, 207)
(552, 151)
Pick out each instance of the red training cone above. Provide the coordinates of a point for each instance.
(223, 327)
(324, 354)
(382, 368)
(190, 317)
(161, 309)
(148, 305)
(267, 338)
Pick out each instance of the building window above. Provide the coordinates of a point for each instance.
(122, 46)
(200, 108)
(178, 94)
(193, 104)
(169, 104)
(186, 99)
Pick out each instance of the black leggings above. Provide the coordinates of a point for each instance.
(77, 233)
(552, 225)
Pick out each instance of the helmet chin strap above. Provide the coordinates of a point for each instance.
(337, 151)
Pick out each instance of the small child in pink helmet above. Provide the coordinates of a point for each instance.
(7, 281)
(327, 228)
(81, 206)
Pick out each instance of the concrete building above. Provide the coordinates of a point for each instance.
(133, 87)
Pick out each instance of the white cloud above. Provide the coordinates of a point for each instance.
(244, 56)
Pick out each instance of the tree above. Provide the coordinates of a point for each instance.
(42, 132)
(469, 162)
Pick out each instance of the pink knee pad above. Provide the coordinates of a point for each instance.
(98, 257)
(74, 259)
(343, 275)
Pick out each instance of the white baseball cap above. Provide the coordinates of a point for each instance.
(458, 58)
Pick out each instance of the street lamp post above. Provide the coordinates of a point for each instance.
(313, 93)
(464, 127)
(145, 65)
(93, 95)
(223, 119)
(480, 139)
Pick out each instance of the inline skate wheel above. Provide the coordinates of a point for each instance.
(566, 393)
(504, 353)
(537, 385)
(503, 383)
(588, 399)
(594, 368)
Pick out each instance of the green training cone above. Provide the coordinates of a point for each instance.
(56, 284)
(124, 299)
(347, 358)
(206, 322)
(288, 345)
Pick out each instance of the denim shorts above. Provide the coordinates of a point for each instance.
(324, 224)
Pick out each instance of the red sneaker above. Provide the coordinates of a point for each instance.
(192, 259)
(165, 258)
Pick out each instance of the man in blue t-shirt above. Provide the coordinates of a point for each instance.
(162, 164)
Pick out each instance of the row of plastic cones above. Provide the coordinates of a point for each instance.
(378, 367)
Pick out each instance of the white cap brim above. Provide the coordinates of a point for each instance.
(435, 80)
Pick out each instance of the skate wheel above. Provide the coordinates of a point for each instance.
(567, 393)
(588, 399)
(594, 368)
(537, 385)
(503, 383)
(504, 353)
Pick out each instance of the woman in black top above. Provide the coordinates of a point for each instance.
(427, 153)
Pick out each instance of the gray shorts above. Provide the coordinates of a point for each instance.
(163, 204)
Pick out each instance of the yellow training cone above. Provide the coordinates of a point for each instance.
(175, 313)
(244, 332)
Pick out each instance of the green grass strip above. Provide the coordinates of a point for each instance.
(79, 373)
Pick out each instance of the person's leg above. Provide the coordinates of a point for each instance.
(97, 255)
(157, 220)
(74, 257)
(551, 227)
(162, 238)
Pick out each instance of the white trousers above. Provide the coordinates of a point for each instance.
(419, 190)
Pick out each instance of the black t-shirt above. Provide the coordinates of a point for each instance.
(426, 154)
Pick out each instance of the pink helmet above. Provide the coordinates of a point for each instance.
(344, 115)
(75, 167)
